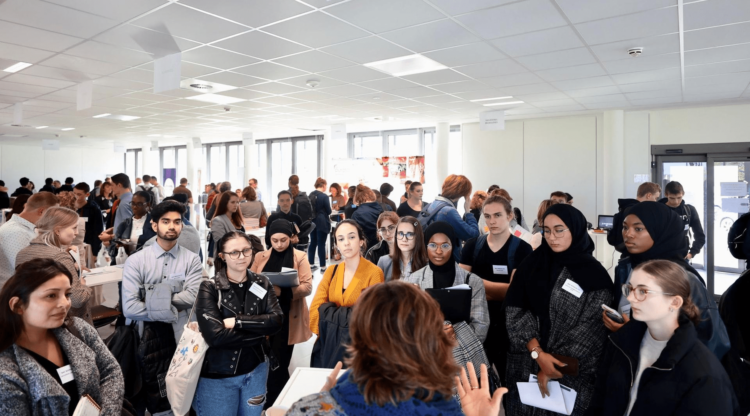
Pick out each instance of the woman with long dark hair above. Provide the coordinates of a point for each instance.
(105, 197)
(48, 362)
(227, 218)
(236, 311)
(409, 254)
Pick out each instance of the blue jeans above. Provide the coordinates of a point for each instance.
(317, 240)
(231, 396)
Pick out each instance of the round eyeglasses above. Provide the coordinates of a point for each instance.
(640, 293)
(443, 247)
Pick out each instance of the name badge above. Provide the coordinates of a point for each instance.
(499, 269)
(177, 276)
(572, 288)
(687, 227)
(66, 374)
(258, 291)
(85, 219)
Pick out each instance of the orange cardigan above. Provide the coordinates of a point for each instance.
(329, 289)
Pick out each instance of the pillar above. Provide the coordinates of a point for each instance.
(614, 159)
(145, 151)
(251, 164)
(442, 155)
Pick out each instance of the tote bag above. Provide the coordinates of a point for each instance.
(185, 369)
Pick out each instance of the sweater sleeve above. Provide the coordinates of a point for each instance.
(305, 279)
(80, 294)
(111, 381)
(699, 237)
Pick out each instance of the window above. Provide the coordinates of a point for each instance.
(281, 166)
(407, 143)
(236, 166)
(182, 164)
(151, 165)
(261, 174)
(368, 146)
(217, 163)
(131, 165)
(306, 166)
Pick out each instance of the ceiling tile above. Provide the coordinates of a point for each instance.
(717, 36)
(54, 18)
(573, 72)
(341, 102)
(310, 95)
(74, 63)
(279, 100)
(631, 26)
(513, 19)
(529, 89)
(316, 29)
(269, 70)
(675, 83)
(584, 10)
(643, 63)
(466, 54)
(431, 36)
(378, 98)
(10, 52)
(245, 94)
(217, 58)
(32, 80)
(35, 38)
(513, 79)
(114, 9)
(715, 13)
(605, 102)
(453, 7)
(480, 95)
(255, 13)
(261, 45)
(719, 68)
(134, 74)
(348, 90)
(461, 86)
(577, 84)
(415, 92)
(388, 84)
(103, 52)
(739, 78)
(323, 82)
(657, 45)
(274, 88)
(231, 78)
(555, 103)
(559, 59)
(653, 94)
(438, 99)
(149, 41)
(491, 69)
(735, 88)
(545, 96)
(187, 69)
(385, 15)
(713, 55)
(539, 42)
(366, 50)
(355, 74)
(592, 92)
(314, 61)
(646, 76)
(436, 77)
(188, 23)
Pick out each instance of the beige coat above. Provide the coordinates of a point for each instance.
(299, 315)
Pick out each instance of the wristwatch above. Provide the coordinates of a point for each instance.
(535, 353)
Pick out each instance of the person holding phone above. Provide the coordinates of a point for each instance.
(552, 309)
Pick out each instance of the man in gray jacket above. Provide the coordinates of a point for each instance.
(160, 282)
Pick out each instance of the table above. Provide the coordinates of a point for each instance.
(303, 382)
(102, 275)
(258, 232)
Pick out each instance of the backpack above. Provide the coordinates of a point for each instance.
(737, 236)
(304, 207)
(514, 243)
(313, 203)
(426, 217)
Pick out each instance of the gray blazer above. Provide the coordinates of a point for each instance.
(386, 264)
(27, 389)
(480, 315)
(220, 226)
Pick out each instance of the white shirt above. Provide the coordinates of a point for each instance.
(15, 235)
(650, 351)
(137, 229)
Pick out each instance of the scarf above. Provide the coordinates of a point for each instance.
(347, 394)
(445, 275)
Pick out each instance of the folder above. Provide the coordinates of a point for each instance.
(562, 399)
(288, 278)
(455, 303)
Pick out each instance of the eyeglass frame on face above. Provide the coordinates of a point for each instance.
(627, 288)
(546, 232)
(235, 255)
(387, 230)
(408, 236)
(138, 204)
(434, 246)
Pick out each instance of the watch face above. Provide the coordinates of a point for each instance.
(534, 355)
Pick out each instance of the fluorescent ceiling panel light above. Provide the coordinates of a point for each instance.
(125, 118)
(68, 129)
(506, 103)
(492, 99)
(41, 127)
(103, 115)
(215, 99)
(406, 65)
(154, 135)
(17, 67)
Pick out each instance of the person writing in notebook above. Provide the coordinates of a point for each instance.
(47, 362)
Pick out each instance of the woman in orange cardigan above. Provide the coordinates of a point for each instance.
(353, 275)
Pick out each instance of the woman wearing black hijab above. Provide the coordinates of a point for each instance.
(552, 307)
(295, 328)
(652, 231)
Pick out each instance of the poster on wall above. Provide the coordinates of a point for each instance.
(403, 168)
(372, 171)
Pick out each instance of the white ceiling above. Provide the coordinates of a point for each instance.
(558, 56)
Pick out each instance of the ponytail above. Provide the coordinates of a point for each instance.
(691, 311)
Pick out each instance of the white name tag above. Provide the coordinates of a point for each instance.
(687, 227)
(499, 269)
(66, 374)
(572, 288)
(85, 219)
(177, 276)
(258, 291)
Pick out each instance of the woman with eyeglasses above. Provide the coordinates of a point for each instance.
(652, 231)
(295, 328)
(552, 308)
(409, 252)
(442, 271)
(655, 364)
(386, 226)
(236, 311)
(137, 229)
(413, 205)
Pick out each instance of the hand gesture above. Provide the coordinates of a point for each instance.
(475, 396)
(547, 371)
(331, 379)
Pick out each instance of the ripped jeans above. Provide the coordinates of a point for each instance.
(243, 395)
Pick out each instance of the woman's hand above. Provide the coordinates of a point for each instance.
(448, 328)
(475, 396)
(612, 325)
(229, 323)
(547, 371)
(277, 290)
(467, 204)
(331, 379)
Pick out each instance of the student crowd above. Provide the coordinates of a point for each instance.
(531, 303)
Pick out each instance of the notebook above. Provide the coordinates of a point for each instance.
(455, 302)
(87, 407)
(285, 278)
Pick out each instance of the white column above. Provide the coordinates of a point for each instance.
(337, 132)
(251, 158)
(442, 138)
(190, 168)
(614, 159)
(145, 150)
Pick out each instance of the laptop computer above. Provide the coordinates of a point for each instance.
(606, 222)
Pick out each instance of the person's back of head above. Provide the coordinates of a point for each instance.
(146, 178)
(183, 181)
(68, 181)
(320, 183)
(48, 181)
(386, 189)
(648, 191)
(294, 185)
(224, 187)
(417, 359)
(249, 193)
(477, 200)
(352, 191)
(24, 181)
(543, 207)
(2, 183)
(41, 200)
(492, 188)
(378, 196)
(121, 179)
(364, 195)
(97, 183)
(455, 187)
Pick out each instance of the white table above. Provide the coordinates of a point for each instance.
(258, 232)
(102, 275)
(303, 382)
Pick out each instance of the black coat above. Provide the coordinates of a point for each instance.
(259, 318)
(737, 361)
(330, 347)
(377, 251)
(366, 216)
(155, 352)
(686, 379)
(94, 225)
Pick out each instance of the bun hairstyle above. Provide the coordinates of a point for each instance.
(672, 278)
(363, 195)
(294, 185)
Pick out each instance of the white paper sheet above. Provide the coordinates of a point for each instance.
(738, 205)
(462, 286)
(733, 189)
(561, 399)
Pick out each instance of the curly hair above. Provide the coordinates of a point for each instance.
(477, 200)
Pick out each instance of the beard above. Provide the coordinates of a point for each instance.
(167, 237)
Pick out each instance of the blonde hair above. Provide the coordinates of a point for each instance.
(55, 218)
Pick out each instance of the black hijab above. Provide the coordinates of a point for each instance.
(279, 259)
(667, 230)
(536, 277)
(442, 276)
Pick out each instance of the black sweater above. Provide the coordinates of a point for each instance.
(689, 215)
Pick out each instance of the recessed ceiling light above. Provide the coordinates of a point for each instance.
(215, 99)
(41, 127)
(125, 118)
(154, 135)
(17, 67)
(68, 129)
(505, 103)
(103, 115)
(406, 65)
(491, 99)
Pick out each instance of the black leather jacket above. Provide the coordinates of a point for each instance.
(259, 317)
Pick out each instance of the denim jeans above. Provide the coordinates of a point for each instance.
(317, 240)
(231, 396)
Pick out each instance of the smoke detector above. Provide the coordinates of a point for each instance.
(312, 83)
(635, 52)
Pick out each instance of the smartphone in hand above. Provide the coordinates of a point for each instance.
(613, 314)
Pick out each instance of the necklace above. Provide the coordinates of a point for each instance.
(240, 283)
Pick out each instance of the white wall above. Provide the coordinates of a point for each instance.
(82, 163)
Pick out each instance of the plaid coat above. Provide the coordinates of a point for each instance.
(577, 331)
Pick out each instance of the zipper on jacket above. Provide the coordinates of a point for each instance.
(207, 316)
(632, 377)
(237, 363)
